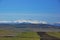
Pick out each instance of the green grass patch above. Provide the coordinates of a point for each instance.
(54, 34)
(28, 34)
(18, 38)
(19, 35)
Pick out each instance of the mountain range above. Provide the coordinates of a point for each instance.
(28, 24)
(25, 21)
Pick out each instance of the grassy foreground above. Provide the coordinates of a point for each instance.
(18, 35)
(54, 34)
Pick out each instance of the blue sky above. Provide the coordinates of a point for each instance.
(45, 10)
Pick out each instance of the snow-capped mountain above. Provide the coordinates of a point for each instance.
(32, 21)
(25, 21)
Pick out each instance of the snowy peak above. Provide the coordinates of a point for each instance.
(31, 21)
(25, 21)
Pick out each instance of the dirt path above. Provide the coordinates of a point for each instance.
(45, 36)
